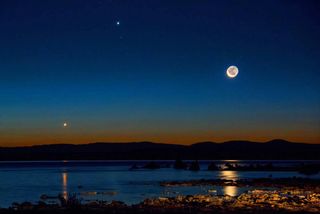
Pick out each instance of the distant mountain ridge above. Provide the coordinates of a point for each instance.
(244, 150)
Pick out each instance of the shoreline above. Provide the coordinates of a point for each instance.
(291, 195)
(261, 201)
(294, 182)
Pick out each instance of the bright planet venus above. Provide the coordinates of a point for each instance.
(232, 71)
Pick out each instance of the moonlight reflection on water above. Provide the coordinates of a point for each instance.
(230, 175)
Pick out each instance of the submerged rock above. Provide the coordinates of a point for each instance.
(213, 167)
(134, 167)
(179, 164)
(46, 197)
(152, 165)
(194, 166)
(111, 193)
(88, 193)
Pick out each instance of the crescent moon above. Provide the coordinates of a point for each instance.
(232, 71)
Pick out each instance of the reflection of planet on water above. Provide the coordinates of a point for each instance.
(65, 185)
(232, 71)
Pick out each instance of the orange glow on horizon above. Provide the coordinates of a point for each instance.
(185, 138)
(181, 141)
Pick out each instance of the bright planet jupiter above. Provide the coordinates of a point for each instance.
(232, 71)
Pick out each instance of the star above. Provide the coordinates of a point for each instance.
(65, 124)
(118, 23)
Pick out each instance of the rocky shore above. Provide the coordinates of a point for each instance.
(294, 182)
(290, 195)
(256, 201)
(290, 200)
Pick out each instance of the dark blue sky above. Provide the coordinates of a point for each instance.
(160, 74)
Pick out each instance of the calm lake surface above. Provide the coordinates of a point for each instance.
(112, 180)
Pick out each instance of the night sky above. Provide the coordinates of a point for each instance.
(141, 70)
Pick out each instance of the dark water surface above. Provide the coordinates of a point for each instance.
(112, 180)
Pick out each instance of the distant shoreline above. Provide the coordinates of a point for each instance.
(232, 150)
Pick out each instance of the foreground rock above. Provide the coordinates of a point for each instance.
(293, 201)
(256, 201)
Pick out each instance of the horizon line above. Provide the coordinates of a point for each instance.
(154, 142)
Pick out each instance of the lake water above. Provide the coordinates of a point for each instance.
(112, 180)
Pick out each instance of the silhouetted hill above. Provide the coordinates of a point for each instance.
(275, 149)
